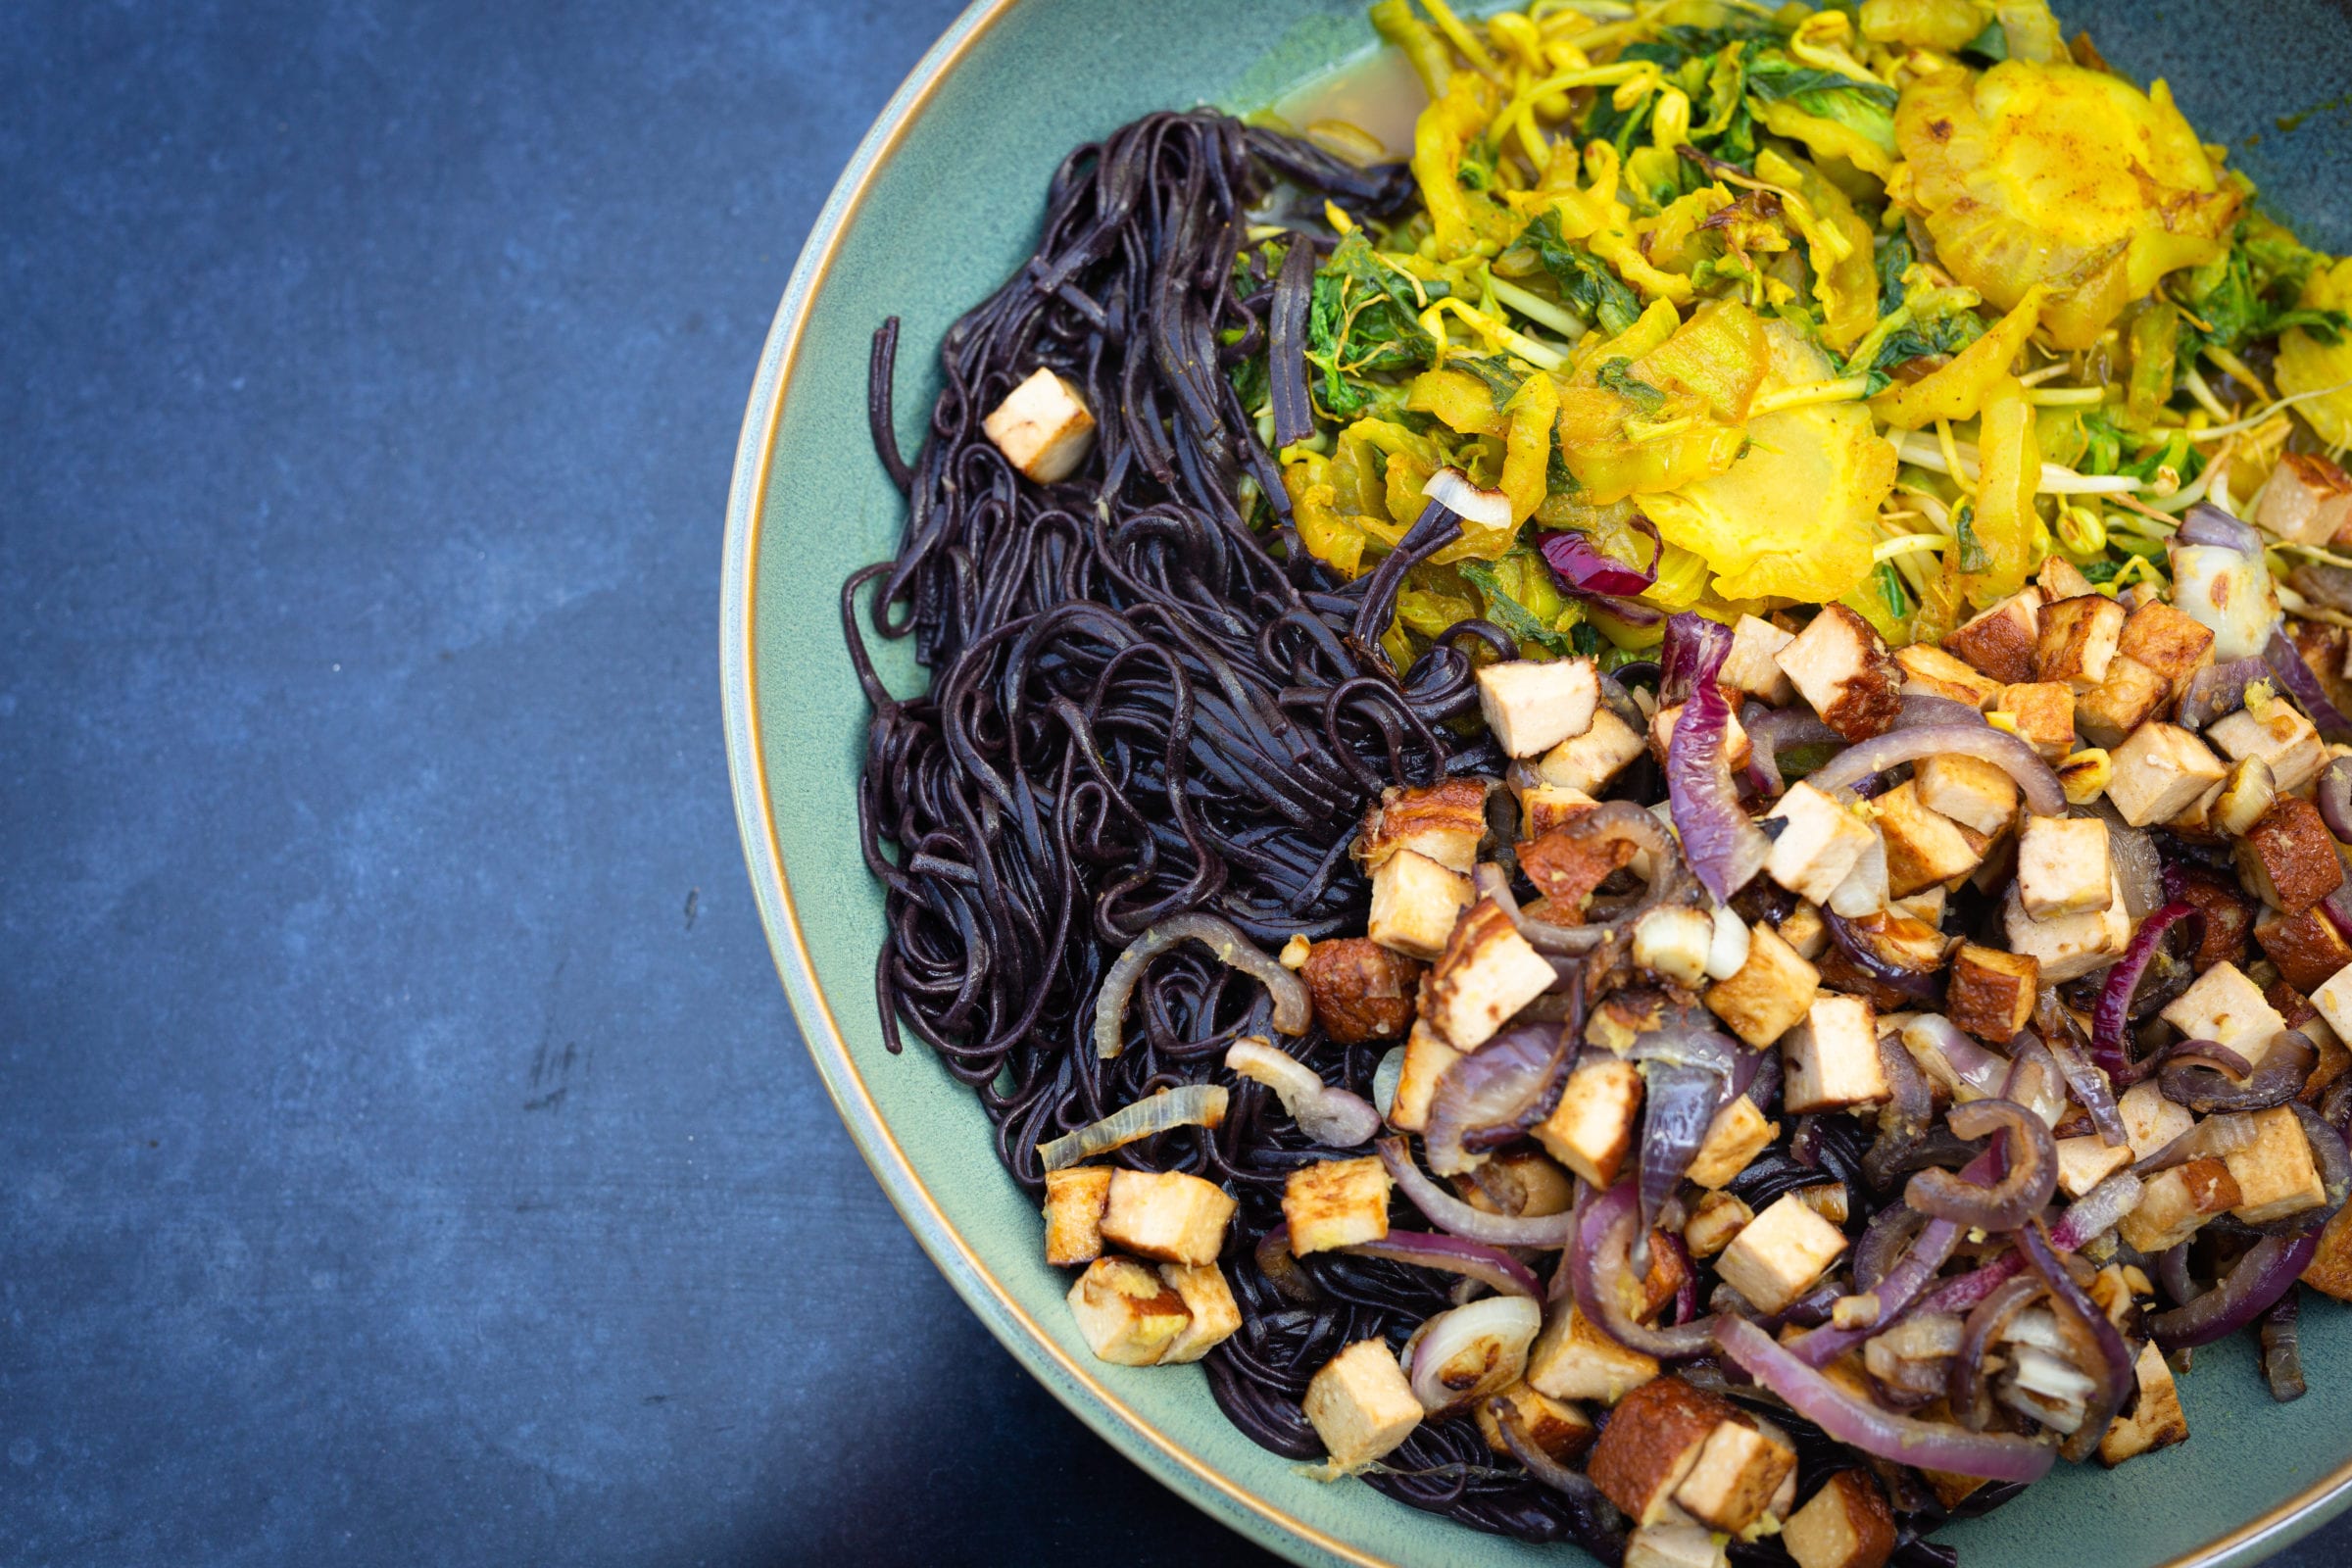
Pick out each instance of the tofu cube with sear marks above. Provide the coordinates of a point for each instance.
(2282, 737)
(1554, 1426)
(2068, 946)
(2155, 1419)
(1572, 1359)
(1591, 1130)
(1846, 1524)
(1818, 847)
(1924, 848)
(2063, 865)
(1974, 793)
(2044, 713)
(1737, 750)
(1833, 1059)
(1486, 973)
(1715, 1219)
(2176, 1203)
(2085, 1162)
(1167, 1215)
(1588, 761)
(2169, 641)
(1336, 1203)
(2000, 642)
(2307, 947)
(1991, 993)
(1209, 1299)
(2288, 856)
(1736, 1474)
(1653, 1442)
(1769, 994)
(1443, 821)
(1415, 904)
(1738, 1133)
(1778, 1256)
(1544, 806)
(1360, 990)
(2275, 1174)
(1043, 427)
(1126, 1312)
(2130, 696)
(1074, 1202)
(2333, 997)
(1671, 1544)
(2075, 640)
(2227, 1007)
(1360, 1405)
(2330, 1267)
(1753, 667)
(1842, 667)
(1565, 868)
(1930, 671)
(1532, 706)
(2160, 771)
(2309, 500)
(2150, 1121)
(2060, 578)
(1426, 1058)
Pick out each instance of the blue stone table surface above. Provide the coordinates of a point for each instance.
(406, 1152)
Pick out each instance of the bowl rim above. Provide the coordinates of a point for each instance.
(1075, 1384)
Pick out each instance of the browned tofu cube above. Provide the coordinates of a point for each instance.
(2309, 499)
(2275, 1175)
(2289, 857)
(1534, 1184)
(1590, 761)
(2067, 946)
(1842, 667)
(1805, 931)
(1778, 1256)
(1750, 665)
(1360, 1405)
(1336, 1203)
(2150, 1121)
(1215, 1314)
(2085, 1162)
(1486, 973)
(1672, 1542)
(1443, 821)
(2167, 641)
(1043, 427)
(1571, 1359)
(2044, 712)
(2000, 642)
(2160, 771)
(1992, 992)
(1167, 1215)
(2077, 640)
(1769, 995)
(1738, 1133)
(2130, 696)
(1127, 1313)
(2334, 999)
(1817, 845)
(1416, 902)
(1074, 1202)
(1426, 1059)
(1924, 848)
(1930, 671)
(1832, 1057)
(1532, 706)
(2330, 1267)
(1714, 1220)
(2060, 578)
(2307, 947)
(1362, 991)
(2282, 737)
(1653, 1442)
(1846, 1524)
(2062, 865)
(1554, 1426)
(2174, 1204)
(1544, 806)
(1591, 1128)
(2155, 1419)
(1737, 1472)
(1974, 793)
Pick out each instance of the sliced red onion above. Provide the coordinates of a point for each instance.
(1583, 568)
(1884, 1240)
(1451, 489)
(2012, 1199)
(2092, 1092)
(2208, 524)
(1286, 345)
(1722, 844)
(1453, 1255)
(1331, 1116)
(2268, 1271)
(1279, 1264)
(2224, 588)
(1495, 1094)
(2172, 1272)
(1974, 1066)
(2334, 797)
(1473, 1351)
(2217, 690)
(1903, 1439)
(2109, 1360)
(1902, 1121)
(2096, 1212)
(2194, 1079)
(2044, 794)
(1921, 985)
(2281, 1349)
(2111, 1022)
(1971, 1397)
(1292, 1011)
(1187, 1105)
(2138, 868)
(2285, 661)
(2035, 1081)
(1920, 709)
(1449, 1213)
(1602, 1262)
(1679, 1103)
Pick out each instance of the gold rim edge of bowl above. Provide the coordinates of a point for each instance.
(771, 885)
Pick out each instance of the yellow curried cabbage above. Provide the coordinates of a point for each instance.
(1845, 276)
(1661, 405)
(1791, 518)
(2306, 364)
(1956, 391)
(2054, 174)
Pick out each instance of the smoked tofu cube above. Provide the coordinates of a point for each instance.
(1544, 806)
(1670, 1543)
(1416, 902)
(2060, 578)
(2062, 865)
(1043, 427)
(2044, 713)
(1833, 1060)
(1846, 1524)
(1426, 1059)
(1588, 761)
(2288, 856)
(2160, 771)
(1531, 707)
(2156, 1419)
(1488, 972)
(1571, 1359)
(1924, 848)
(2334, 999)
(2307, 947)
(1930, 671)
(2075, 640)
(1126, 1313)
(1778, 1256)
(2000, 642)
(2309, 500)
(2174, 1204)
(1926, 907)
(1752, 665)
(1842, 667)
(2224, 1006)
(1714, 1220)
(1443, 821)
(1360, 1405)
(2275, 1174)
(1335, 1203)
(2283, 737)
(2085, 1162)
(2150, 1121)
(1737, 750)
(1992, 992)
(1553, 1426)
(1074, 1202)
(1215, 1316)
(1591, 1128)
(2068, 946)
(1167, 1215)
(2169, 641)
(1820, 846)
(1805, 931)
(1736, 1474)
(2330, 1267)
(1864, 890)
(1651, 1443)
(1972, 791)
(1738, 1133)
(2130, 696)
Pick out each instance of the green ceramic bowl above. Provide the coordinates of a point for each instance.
(941, 201)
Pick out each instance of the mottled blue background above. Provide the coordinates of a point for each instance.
(406, 1152)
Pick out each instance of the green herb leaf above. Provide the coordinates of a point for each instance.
(1973, 554)
(1618, 377)
(1587, 284)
